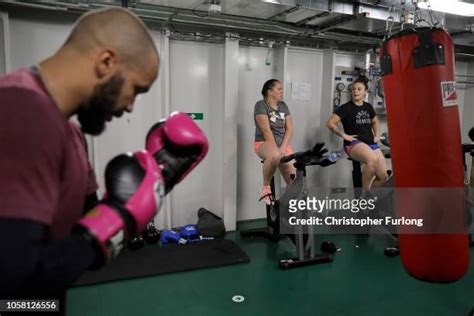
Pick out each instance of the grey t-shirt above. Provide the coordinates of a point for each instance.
(276, 118)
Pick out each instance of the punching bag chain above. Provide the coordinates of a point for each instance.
(390, 20)
(403, 18)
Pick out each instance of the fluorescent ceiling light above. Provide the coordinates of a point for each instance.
(272, 1)
(455, 7)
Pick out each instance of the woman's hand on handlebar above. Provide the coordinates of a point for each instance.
(349, 138)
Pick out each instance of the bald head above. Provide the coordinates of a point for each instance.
(117, 29)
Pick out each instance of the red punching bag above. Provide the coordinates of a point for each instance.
(425, 142)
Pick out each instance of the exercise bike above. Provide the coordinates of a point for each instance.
(296, 190)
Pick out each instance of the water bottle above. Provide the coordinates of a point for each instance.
(334, 156)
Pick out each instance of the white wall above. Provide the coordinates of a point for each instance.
(33, 40)
(306, 66)
(196, 86)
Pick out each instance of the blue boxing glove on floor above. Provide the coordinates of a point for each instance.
(190, 233)
(171, 237)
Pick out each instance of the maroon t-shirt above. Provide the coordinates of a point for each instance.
(44, 171)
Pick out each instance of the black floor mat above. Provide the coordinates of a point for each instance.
(153, 260)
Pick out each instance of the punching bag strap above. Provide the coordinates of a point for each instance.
(427, 53)
(385, 61)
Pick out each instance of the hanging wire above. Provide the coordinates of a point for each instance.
(417, 15)
(432, 15)
(390, 21)
(433, 22)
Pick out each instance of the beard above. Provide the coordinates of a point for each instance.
(100, 107)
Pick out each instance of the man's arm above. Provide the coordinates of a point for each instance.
(32, 264)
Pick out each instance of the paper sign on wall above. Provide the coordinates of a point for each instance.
(300, 90)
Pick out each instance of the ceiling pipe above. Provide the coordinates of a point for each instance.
(337, 22)
(287, 11)
(312, 18)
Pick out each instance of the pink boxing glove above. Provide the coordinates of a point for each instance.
(135, 189)
(178, 145)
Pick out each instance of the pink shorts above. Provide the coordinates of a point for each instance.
(256, 146)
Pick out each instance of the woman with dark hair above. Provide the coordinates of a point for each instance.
(273, 129)
(361, 135)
